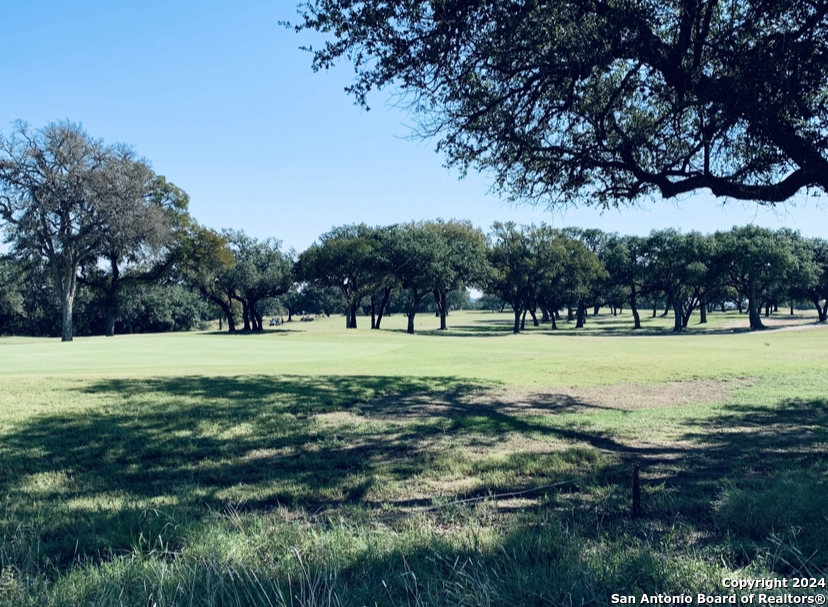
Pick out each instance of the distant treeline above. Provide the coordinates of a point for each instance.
(537, 272)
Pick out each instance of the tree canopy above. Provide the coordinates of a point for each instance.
(602, 102)
(344, 258)
(71, 200)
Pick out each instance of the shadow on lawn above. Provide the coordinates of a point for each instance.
(196, 445)
(610, 326)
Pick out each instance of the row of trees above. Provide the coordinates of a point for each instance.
(541, 269)
(751, 267)
(96, 216)
(424, 258)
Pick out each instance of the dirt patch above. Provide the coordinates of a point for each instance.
(520, 401)
(624, 397)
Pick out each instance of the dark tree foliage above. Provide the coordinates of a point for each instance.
(11, 298)
(601, 101)
(624, 260)
(346, 258)
(261, 271)
(72, 201)
(417, 254)
(679, 265)
(461, 251)
(139, 244)
(155, 308)
(757, 262)
(206, 264)
(817, 292)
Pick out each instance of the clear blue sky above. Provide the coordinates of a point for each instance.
(223, 103)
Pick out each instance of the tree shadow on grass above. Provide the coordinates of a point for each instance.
(612, 326)
(746, 441)
(262, 333)
(161, 450)
(188, 446)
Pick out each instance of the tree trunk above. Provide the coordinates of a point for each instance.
(754, 312)
(691, 306)
(703, 313)
(351, 323)
(678, 314)
(373, 313)
(67, 302)
(636, 317)
(554, 324)
(226, 308)
(655, 308)
(245, 314)
(440, 298)
(517, 310)
(228, 311)
(595, 309)
(412, 311)
(534, 317)
(111, 294)
(582, 310)
(66, 282)
(822, 311)
(110, 320)
(544, 314)
(384, 302)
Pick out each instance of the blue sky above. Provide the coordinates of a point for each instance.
(222, 102)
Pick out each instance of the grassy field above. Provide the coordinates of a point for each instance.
(311, 465)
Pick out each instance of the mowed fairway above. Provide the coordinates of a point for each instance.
(312, 465)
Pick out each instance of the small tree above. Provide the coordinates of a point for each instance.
(205, 264)
(344, 258)
(515, 267)
(139, 243)
(756, 262)
(417, 251)
(461, 262)
(261, 271)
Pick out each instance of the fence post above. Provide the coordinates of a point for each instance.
(636, 492)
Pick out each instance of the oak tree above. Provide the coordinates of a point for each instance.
(598, 101)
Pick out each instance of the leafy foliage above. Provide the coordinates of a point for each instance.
(602, 102)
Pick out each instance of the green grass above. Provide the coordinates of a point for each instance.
(302, 466)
